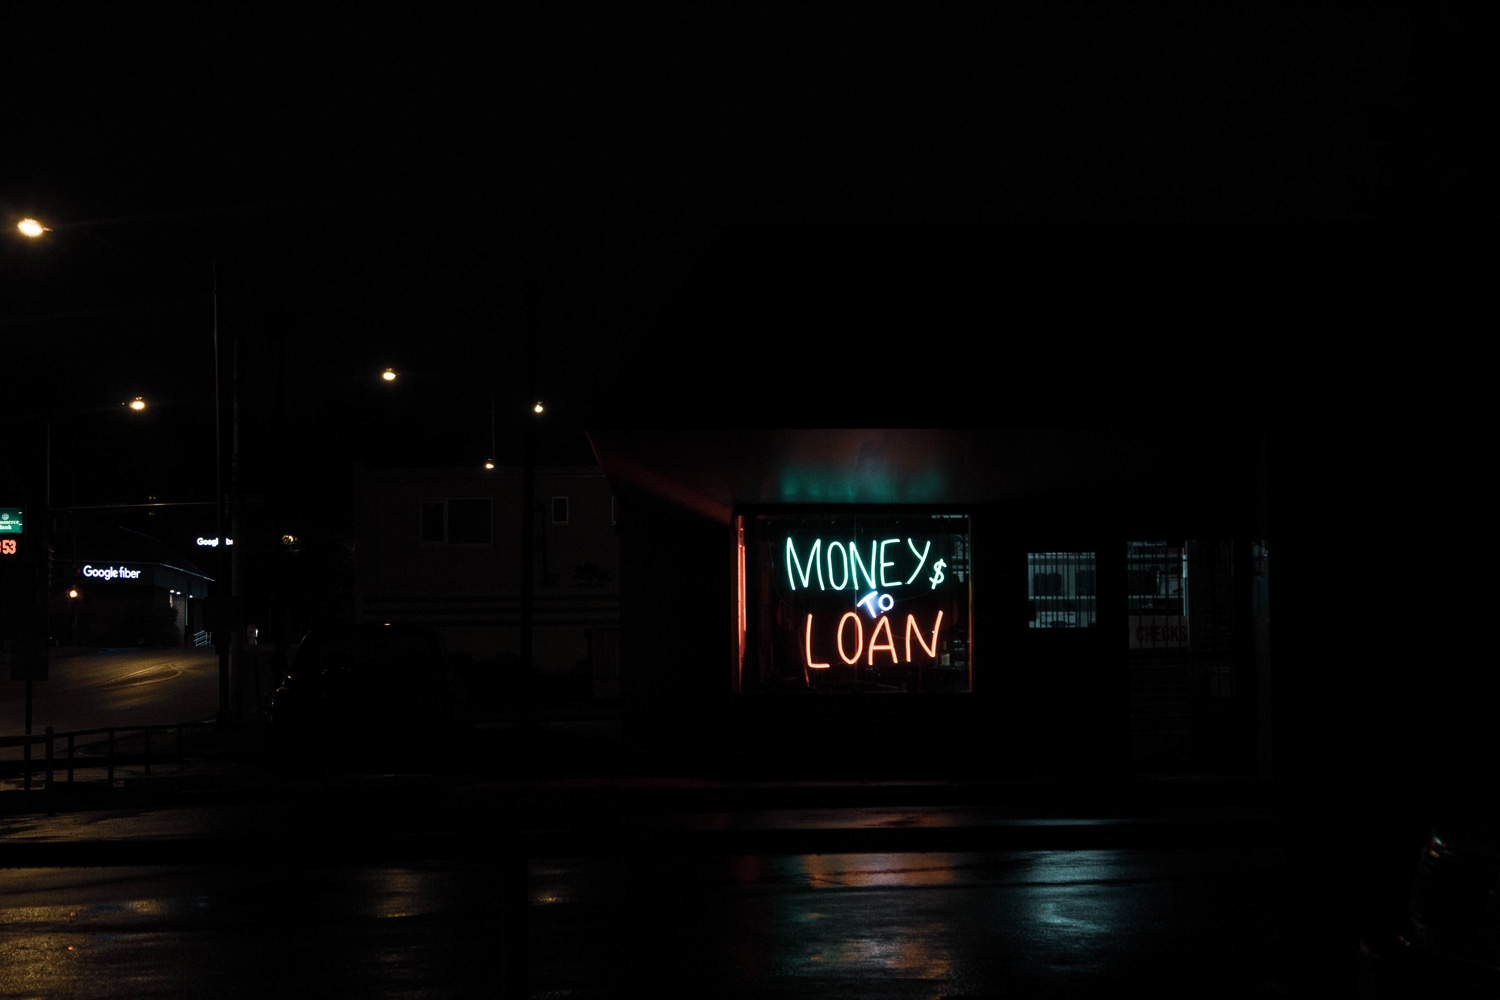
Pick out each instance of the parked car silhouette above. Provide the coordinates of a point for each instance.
(1448, 942)
(371, 681)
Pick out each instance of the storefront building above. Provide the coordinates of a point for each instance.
(940, 602)
(126, 589)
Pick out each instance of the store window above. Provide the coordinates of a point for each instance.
(1156, 594)
(846, 603)
(1181, 607)
(1063, 588)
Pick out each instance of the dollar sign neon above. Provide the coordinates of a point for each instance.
(937, 572)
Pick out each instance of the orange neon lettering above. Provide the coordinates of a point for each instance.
(851, 660)
(889, 644)
(810, 663)
(911, 626)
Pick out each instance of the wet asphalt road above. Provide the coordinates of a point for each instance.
(89, 689)
(1214, 922)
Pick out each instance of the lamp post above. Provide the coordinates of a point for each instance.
(526, 687)
(225, 562)
(528, 528)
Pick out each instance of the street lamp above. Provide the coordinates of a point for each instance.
(136, 405)
(389, 376)
(31, 227)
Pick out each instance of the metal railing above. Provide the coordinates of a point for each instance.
(112, 758)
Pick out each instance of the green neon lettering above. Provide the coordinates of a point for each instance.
(836, 547)
(884, 562)
(793, 566)
(858, 567)
(920, 555)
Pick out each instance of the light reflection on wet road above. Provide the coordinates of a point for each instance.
(137, 687)
(1025, 924)
(1199, 923)
(406, 931)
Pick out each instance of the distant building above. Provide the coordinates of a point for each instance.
(443, 547)
(119, 587)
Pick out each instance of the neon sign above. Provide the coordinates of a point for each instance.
(865, 602)
(882, 627)
(852, 565)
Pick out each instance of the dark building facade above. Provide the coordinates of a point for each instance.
(943, 602)
(1081, 426)
(1129, 422)
(443, 547)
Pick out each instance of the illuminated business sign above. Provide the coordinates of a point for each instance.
(212, 543)
(858, 603)
(11, 519)
(108, 573)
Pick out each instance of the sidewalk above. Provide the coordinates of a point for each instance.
(222, 799)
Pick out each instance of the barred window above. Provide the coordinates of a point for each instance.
(1063, 586)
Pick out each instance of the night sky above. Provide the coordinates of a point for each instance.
(695, 194)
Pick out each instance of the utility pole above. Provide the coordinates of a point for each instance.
(528, 522)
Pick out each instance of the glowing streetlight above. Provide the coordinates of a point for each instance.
(389, 374)
(31, 227)
(137, 404)
(537, 408)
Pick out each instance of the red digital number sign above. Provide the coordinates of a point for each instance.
(8, 547)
